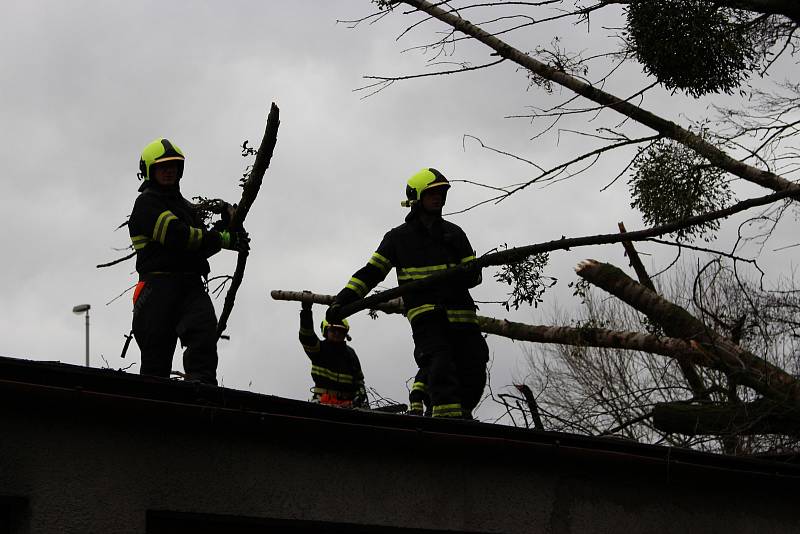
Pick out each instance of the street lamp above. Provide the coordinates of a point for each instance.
(77, 310)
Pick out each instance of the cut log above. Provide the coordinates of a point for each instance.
(759, 417)
(679, 349)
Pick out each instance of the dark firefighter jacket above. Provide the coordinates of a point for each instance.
(168, 236)
(417, 252)
(334, 366)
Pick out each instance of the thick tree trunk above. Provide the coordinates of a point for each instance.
(679, 349)
(682, 418)
(759, 417)
(251, 188)
(749, 369)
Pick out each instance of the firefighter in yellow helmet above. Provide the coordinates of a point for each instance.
(449, 349)
(172, 245)
(335, 368)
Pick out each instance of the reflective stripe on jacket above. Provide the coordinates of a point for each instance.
(167, 235)
(334, 366)
(417, 252)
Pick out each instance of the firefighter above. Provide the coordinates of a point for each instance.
(449, 347)
(171, 301)
(335, 368)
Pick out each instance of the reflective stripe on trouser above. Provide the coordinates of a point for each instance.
(447, 410)
(418, 397)
(171, 308)
(435, 356)
(455, 359)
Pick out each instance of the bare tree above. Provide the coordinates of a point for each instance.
(676, 173)
(606, 377)
(643, 396)
(692, 46)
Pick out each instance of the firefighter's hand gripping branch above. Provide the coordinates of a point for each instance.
(235, 240)
(307, 303)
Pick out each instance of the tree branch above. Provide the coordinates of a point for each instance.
(636, 261)
(520, 253)
(690, 374)
(754, 372)
(119, 260)
(759, 417)
(679, 349)
(251, 187)
(664, 127)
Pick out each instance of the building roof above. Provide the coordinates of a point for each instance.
(52, 387)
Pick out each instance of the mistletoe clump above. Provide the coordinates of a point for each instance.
(693, 45)
(527, 280)
(672, 183)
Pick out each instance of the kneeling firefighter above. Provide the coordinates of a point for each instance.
(335, 368)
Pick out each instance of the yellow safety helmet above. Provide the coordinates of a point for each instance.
(422, 181)
(324, 325)
(159, 151)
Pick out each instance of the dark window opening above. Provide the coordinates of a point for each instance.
(13, 515)
(162, 522)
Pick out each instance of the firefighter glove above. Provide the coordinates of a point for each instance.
(239, 241)
(333, 314)
(227, 213)
(306, 304)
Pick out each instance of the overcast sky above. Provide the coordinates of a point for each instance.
(87, 84)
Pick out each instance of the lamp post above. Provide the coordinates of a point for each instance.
(77, 310)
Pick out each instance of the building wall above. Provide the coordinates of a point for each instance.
(85, 470)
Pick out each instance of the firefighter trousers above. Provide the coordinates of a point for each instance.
(452, 359)
(171, 307)
(418, 397)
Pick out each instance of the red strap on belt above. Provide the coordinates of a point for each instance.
(327, 398)
(138, 290)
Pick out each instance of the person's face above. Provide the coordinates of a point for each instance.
(335, 334)
(166, 173)
(433, 199)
